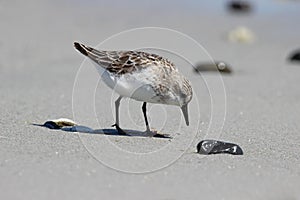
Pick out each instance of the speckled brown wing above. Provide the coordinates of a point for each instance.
(122, 62)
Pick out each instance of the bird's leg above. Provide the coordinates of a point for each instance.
(148, 131)
(117, 105)
(144, 108)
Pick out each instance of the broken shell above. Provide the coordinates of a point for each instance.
(215, 147)
(63, 122)
(57, 123)
(241, 34)
(219, 66)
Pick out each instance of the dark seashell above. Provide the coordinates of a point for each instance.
(210, 67)
(239, 6)
(215, 147)
(51, 125)
(295, 56)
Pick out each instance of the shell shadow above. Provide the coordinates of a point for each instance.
(107, 131)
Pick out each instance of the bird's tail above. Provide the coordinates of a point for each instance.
(102, 58)
(85, 50)
(98, 57)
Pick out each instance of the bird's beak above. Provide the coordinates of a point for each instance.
(184, 110)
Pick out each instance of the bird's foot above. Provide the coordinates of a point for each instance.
(157, 134)
(120, 131)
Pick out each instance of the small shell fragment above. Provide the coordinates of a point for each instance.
(210, 66)
(241, 34)
(215, 147)
(64, 122)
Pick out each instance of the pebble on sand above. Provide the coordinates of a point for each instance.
(211, 67)
(295, 56)
(239, 6)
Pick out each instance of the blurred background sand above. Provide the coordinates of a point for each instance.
(38, 65)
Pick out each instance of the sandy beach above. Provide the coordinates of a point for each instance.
(40, 72)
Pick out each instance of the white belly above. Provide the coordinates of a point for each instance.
(134, 86)
(138, 86)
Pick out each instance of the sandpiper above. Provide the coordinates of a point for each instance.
(142, 76)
